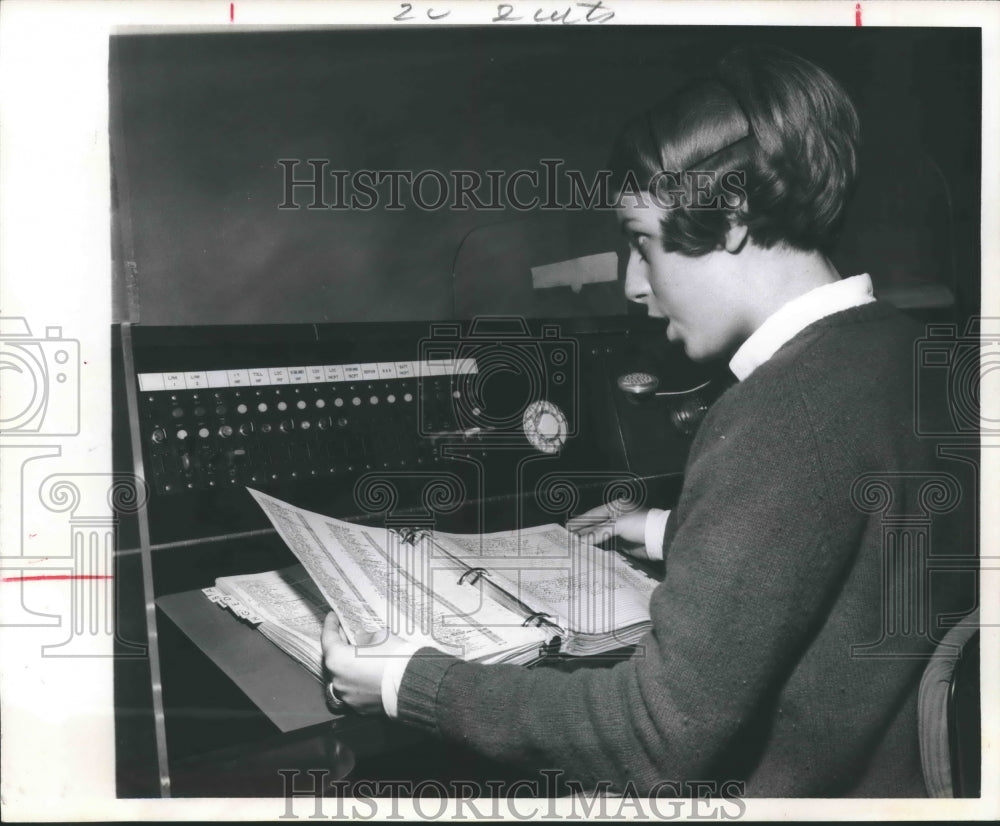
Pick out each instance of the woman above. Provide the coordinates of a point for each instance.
(773, 572)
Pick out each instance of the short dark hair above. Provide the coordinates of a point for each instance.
(780, 122)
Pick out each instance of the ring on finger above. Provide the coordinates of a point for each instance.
(333, 702)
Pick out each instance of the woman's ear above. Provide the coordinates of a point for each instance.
(736, 236)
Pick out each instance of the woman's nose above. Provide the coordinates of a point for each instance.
(636, 282)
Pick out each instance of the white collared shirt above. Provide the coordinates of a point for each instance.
(778, 329)
(792, 318)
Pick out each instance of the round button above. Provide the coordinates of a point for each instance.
(356, 401)
(225, 431)
(305, 425)
(324, 423)
(262, 407)
(407, 397)
(287, 426)
(246, 428)
(373, 400)
(220, 410)
(182, 434)
(390, 398)
(456, 394)
(282, 406)
(203, 432)
(199, 411)
(159, 435)
(241, 409)
(177, 412)
(338, 402)
(320, 403)
(301, 404)
(341, 422)
(265, 428)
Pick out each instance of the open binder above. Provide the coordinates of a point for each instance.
(512, 596)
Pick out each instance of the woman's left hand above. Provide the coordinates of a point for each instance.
(356, 670)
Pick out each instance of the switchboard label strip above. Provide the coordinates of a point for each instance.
(311, 374)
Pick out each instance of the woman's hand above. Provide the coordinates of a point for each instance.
(355, 671)
(615, 520)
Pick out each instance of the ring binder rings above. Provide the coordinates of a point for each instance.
(541, 616)
(475, 573)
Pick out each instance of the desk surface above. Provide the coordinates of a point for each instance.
(288, 694)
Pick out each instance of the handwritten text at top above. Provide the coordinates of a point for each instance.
(592, 11)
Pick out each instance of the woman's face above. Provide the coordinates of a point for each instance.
(702, 297)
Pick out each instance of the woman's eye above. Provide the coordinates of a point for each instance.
(639, 245)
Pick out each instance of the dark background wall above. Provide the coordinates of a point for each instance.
(199, 123)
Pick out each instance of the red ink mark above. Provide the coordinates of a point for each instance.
(232, 11)
(56, 577)
(857, 14)
(32, 535)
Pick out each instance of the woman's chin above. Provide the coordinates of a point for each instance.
(694, 351)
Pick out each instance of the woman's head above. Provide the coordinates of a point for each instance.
(768, 141)
(730, 191)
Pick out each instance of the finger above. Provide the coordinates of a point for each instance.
(604, 527)
(368, 637)
(589, 521)
(332, 631)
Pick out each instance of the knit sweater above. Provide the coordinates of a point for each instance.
(772, 574)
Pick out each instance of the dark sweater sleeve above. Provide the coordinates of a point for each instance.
(749, 575)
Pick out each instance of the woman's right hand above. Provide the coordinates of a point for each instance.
(611, 520)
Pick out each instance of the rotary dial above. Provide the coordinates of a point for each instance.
(545, 426)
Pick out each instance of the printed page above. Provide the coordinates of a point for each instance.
(590, 590)
(340, 572)
(374, 580)
(287, 598)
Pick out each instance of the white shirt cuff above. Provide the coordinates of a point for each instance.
(392, 679)
(656, 524)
